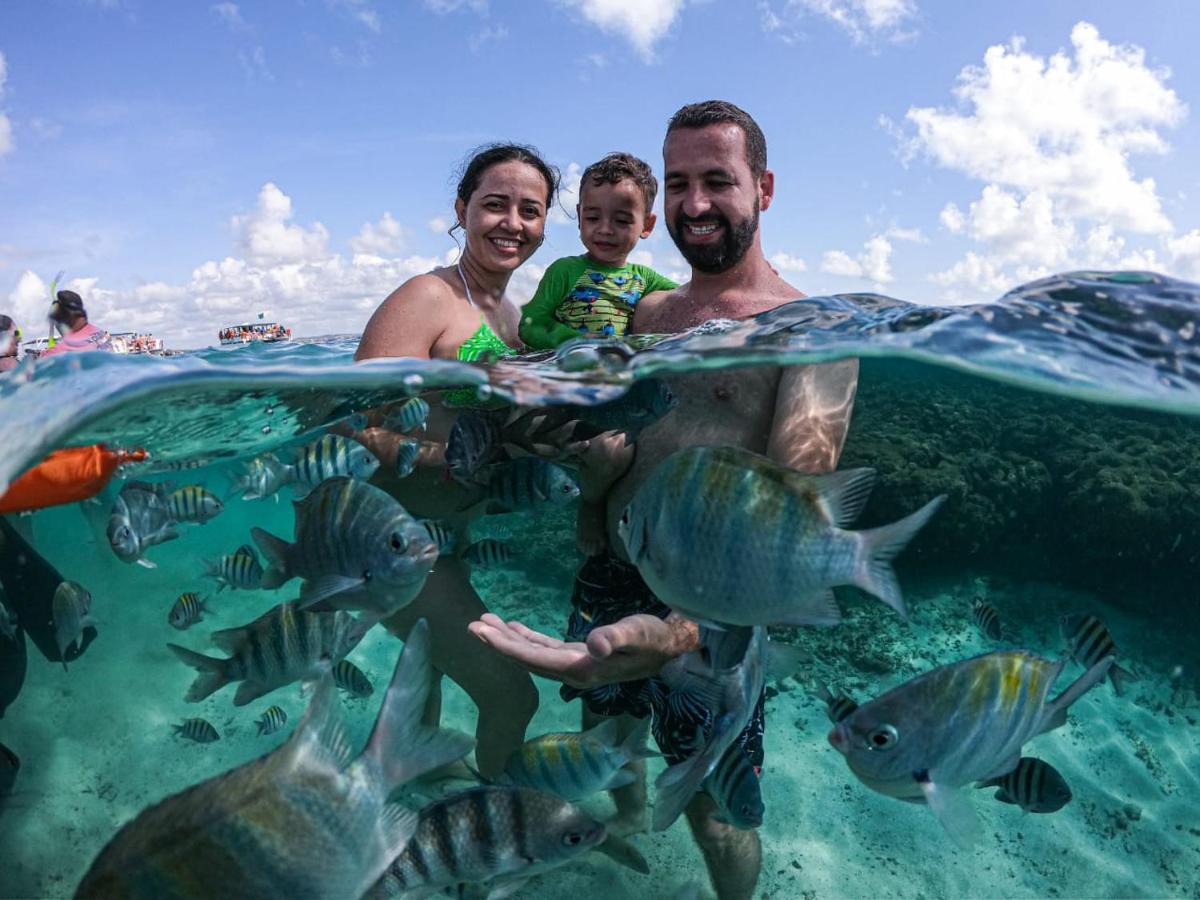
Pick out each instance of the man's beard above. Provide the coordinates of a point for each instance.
(723, 255)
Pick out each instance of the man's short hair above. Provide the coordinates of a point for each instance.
(69, 300)
(722, 112)
(617, 167)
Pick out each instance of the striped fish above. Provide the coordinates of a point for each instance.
(960, 723)
(198, 730)
(1034, 785)
(527, 481)
(488, 833)
(271, 720)
(408, 416)
(985, 616)
(261, 477)
(283, 645)
(735, 788)
(351, 679)
(475, 441)
(186, 611)
(329, 456)
(240, 569)
(71, 611)
(575, 765)
(406, 457)
(1090, 641)
(192, 503)
(442, 534)
(837, 706)
(310, 819)
(488, 552)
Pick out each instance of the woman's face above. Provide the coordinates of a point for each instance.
(506, 216)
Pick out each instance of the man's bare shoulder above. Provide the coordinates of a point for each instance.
(650, 309)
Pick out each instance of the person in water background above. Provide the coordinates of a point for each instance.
(462, 312)
(71, 320)
(10, 337)
(619, 635)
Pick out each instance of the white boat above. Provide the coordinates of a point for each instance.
(134, 342)
(268, 332)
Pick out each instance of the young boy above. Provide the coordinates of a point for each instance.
(594, 294)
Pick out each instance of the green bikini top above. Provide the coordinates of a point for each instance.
(482, 346)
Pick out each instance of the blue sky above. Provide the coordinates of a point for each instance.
(190, 164)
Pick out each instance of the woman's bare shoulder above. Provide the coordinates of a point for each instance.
(409, 320)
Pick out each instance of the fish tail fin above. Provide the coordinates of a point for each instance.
(1055, 715)
(634, 746)
(212, 675)
(401, 745)
(1120, 678)
(873, 570)
(275, 553)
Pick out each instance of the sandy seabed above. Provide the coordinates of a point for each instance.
(96, 742)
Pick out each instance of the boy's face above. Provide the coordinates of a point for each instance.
(612, 218)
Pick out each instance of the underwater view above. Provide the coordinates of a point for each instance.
(960, 662)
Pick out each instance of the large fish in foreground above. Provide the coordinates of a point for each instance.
(724, 535)
(960, 723)
(308, 820)
(725, 676)
(355, 546)
(283, 645)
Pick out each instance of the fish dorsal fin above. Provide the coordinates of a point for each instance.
(229, 639)
(320, 741)
(842, 495)
(246, 550)
(606, 732)
(1055, 714)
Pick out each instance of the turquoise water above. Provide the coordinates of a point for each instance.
(1061, 423)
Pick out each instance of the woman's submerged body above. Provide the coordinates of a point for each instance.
(457, 313)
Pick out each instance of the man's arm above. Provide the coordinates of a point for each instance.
(812, 415)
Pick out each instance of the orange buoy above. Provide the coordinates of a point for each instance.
(66, 476)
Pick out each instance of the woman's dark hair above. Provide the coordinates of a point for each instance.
(483, 158)
(6, 323)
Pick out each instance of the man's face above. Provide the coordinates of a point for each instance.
(711, 199)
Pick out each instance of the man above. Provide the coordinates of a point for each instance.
(78, 335)
(10, 337)
(715, 185)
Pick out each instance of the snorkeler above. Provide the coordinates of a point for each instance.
(619, 634)
(71, 320)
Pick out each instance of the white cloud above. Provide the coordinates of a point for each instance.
(488, 34)
(563, 212)
(873, 263)
(7, 145)
(973, 278)
(864, 20)
(785, 262)
(1020, 230)
(230, 15)
(642, 258)
(254, 63)
(911, 235)
(387, 236)
(439, 224)
(266, 237)
(441, 7)
(641, 22)
(952, 218)
(1185, 255)
(1064, 126)
(361, 11)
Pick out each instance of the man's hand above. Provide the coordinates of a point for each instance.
(632, 648)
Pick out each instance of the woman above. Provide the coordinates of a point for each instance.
(461, 312)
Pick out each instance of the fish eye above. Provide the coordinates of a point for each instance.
(572, 838)
(397, 542)
(625, 517)
(885, 737)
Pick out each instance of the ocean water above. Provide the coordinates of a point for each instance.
(1062, 422)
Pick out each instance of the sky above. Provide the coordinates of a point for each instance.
(192, 164)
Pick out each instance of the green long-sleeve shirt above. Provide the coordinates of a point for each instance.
(577, 296)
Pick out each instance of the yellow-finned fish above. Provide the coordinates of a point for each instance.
(575, 765)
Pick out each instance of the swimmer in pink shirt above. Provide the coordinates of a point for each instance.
(78, 335)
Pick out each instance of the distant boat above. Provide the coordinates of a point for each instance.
(268, 332)
(135, 343)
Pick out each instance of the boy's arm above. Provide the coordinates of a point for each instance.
(655, 281)
(539, 329)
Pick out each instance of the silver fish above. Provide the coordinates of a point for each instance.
(199, 730)
(351, 679)
(330, 456)
(240, 569)
(488, 552)
(735, 788)
(1034, 785)
(724, 535)
(489, 834)
(726, 676)
(140, 518)
(262, 476)
(308, 820)
(957, 724)
(1090, 641)
(271, 720)
(186, 611)
(408, 416)
(192, 503)
(71, 608)
(574, 765)
(283, 645)
(355, 546)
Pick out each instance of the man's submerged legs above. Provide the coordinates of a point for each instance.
(733, 857)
